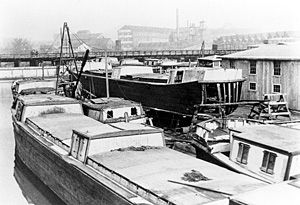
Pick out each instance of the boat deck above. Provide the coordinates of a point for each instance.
(105, 103)
(161, 170)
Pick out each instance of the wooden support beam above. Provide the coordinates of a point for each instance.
(219, 92)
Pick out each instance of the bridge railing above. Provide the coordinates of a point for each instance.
(119, 54)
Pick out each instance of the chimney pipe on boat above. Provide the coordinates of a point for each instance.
(126, 117)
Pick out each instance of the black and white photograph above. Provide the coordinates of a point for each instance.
(154, 102)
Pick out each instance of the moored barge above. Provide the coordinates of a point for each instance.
(87, 162)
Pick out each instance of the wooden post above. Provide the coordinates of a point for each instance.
(219, 92)
(106, 76)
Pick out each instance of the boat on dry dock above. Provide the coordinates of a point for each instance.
(177, 92)
(87, 162)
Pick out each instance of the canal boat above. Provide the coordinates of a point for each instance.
(264, 151)
(87, 162)
(177, 92)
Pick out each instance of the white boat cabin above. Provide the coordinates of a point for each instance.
(96, 65)
(188, 74)
(110, 110)
(272, 152)
(130, 62)
(111, 60)
(105, 138)
(179, 75)
(39, 105)
(210, 62)
(130, 70)
(21, 86)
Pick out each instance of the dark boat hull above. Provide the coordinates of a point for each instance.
(177, 98)
(66, 178)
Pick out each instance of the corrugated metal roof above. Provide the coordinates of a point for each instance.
(269, 52)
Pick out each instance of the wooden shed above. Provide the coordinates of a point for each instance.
(269, 68)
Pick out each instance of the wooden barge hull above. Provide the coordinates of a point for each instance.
(178, 98)
(68, 179)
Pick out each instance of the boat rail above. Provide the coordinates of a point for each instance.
(132, 186)
(45, 134)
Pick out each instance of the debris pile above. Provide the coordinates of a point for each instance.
(194, 176)
(132, 148)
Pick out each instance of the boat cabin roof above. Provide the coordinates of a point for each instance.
(170, 63)
(283, 138)
(163, 171)
(286, 192)
(211, 58)
(133, 69)
(46, 99)
(152, 59)
(30, 80)
(119, 129)
(130, 61)
(61, 125)
(112, 102)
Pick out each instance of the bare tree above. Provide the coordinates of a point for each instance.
(19, 46)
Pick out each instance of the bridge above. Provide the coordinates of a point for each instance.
(34, 60)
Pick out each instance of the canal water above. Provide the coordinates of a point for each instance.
(18, 185)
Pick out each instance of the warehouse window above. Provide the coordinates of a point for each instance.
(268, 162)
(243, 152)
(276, 88)
(277, 69)
(253, 67)
(252, 86)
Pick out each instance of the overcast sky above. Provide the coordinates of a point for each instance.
(40, 19)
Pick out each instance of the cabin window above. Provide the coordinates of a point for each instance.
(253, 67)
(252, 86)
(231, 64)
(268, 162)
(277, 69)
(276, 88)
(243, 152)
(217, 64)
(178, 78)
(19, 111)
(133, 111)
(110, 114)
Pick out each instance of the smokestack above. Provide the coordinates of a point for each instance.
(177, 24)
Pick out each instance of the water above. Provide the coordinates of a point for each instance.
(18, 185)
